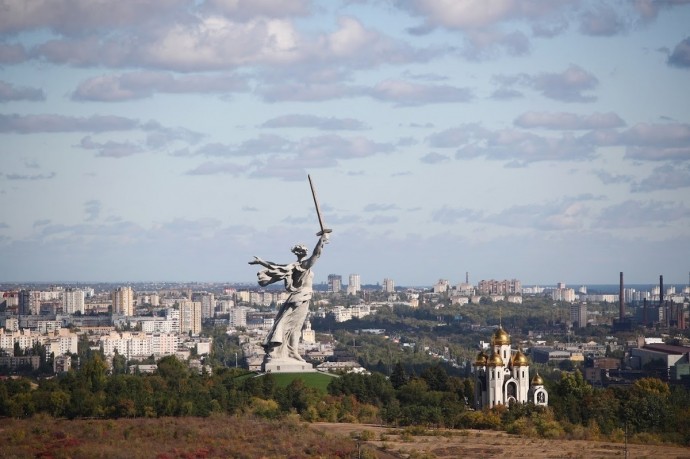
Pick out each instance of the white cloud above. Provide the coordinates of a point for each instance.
(569, 121)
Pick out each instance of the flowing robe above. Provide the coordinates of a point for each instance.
(283, 339)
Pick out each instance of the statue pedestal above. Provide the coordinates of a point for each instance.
(286, 366)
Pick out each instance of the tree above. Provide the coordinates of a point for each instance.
(398, 376)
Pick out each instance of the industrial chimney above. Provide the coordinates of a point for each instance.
(661, 289)
(621, 303)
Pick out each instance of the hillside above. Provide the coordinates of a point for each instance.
(249, 437)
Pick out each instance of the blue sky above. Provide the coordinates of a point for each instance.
(171, 140)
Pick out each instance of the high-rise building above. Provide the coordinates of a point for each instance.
(73, 301)
(24, 302)
(208, 305)
(388, 285)
(578, 314)
(354, 284)
(190, 316)
(123, 301)
(238, 317)
(335, 283)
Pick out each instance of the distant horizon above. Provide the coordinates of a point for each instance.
(573, 285)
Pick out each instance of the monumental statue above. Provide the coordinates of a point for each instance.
(281, 343)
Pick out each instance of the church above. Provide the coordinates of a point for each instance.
(502, 377)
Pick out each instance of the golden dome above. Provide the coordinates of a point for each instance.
(520, 359)
(481, 360)
(537, 380)
(500, 337)
(494, 360)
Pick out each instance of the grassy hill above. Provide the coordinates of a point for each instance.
(317, 380)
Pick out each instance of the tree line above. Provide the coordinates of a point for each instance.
(650, 410)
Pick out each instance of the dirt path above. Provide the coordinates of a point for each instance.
(490, 444)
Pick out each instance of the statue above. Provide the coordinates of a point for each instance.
(282, 340)
(281, 343)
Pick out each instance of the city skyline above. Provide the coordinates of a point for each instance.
(171, 141)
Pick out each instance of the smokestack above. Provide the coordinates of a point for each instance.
(467, 277)
(661, 289)
(620, 300)
(644, 312)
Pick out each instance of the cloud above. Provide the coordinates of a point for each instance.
(649, 9)
(434, 158)
(139, 85)
(610, 179)
(313, 121)
(569, 85)
(477, 14)
(8, 92)
(602, 20)
(656, 142)
(247, 9)
(30, 177)
(566, 214)
(403, 93)
(524, 148)
(261, 145)
(570, 121)
(12, 53)
(307, 92)
(666, 177)
(29, 124)
(92, 209)
(111, 149)
(635, 214)
(215, 168)
(337, 147)
(201, 42)
(73, 17)
(506, 94)
(377, 207)
(383, 220)
(447, 215)
(457, 136)
(680, 57)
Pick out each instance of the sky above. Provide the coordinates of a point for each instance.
(171, 140)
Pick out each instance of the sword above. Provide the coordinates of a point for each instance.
(318, 209)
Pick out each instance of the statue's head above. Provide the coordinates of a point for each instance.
(300, 250)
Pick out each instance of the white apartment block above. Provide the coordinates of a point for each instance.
(133, 345)
(360, 310)
(190, 317)
(354, 284)
(341, 313)
(208, 306)
(457, 299)
(563, 294)
(441, 286)
(12, 324)
(123, 301)
(73, 301)
(388, 285)
(173, 315)
(224, 306)
(48, 326)
(243, 296)
(156, 324)
(164, 343)
(515, 299)
(60, 342)
(238, 317)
